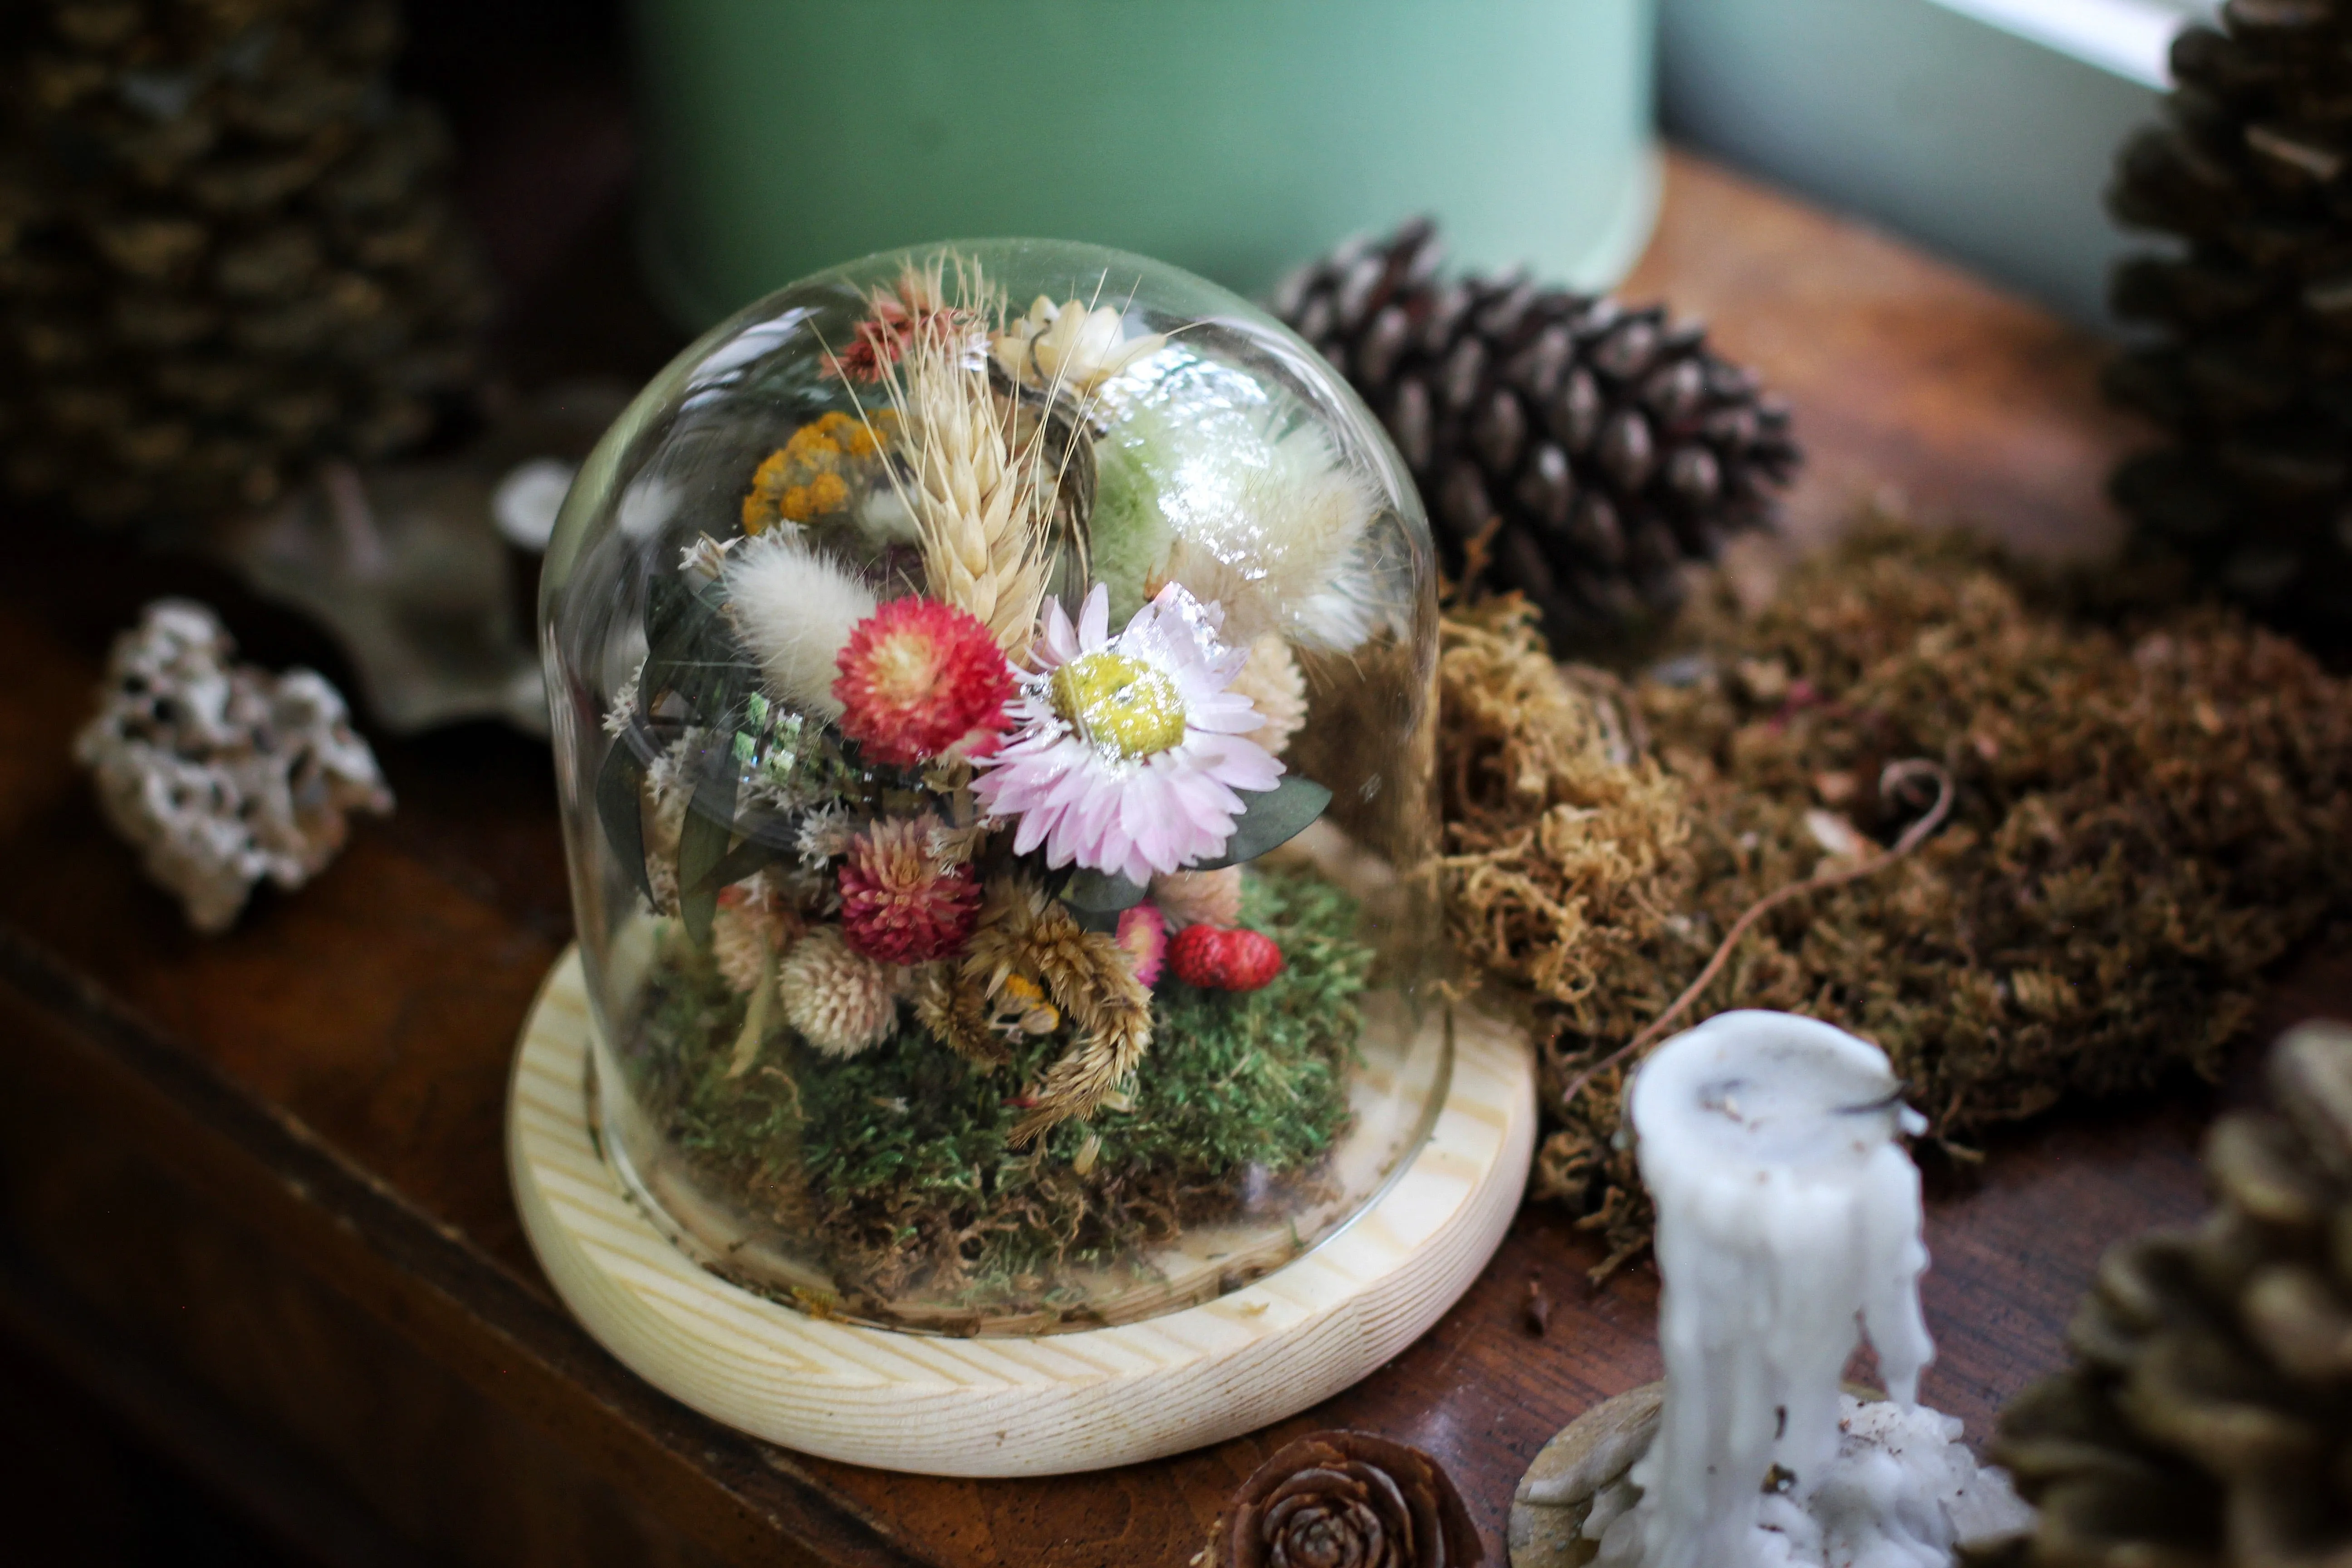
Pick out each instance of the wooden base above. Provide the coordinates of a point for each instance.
(1015, 1407)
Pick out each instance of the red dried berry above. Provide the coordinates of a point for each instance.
(1219, 959)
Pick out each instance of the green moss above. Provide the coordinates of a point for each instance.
(1130, 536)
(895, 1163)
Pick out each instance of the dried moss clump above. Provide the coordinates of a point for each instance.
(900, 1161)
(1566, 852)
(2147, 821)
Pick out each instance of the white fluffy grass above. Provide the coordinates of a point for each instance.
(794, 608)
(1272, 524)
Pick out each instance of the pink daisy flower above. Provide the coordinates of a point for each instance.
(1123, 752)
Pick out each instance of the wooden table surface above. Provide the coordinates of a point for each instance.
(252, 1189)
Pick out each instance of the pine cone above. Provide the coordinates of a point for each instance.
(2206, 1420)
(1605, 447)
(225, 250)
(1344, 1498)
(2251, 370)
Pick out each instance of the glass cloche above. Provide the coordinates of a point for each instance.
(992, 691)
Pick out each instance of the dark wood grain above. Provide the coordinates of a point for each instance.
(264, 1172)
(1915, 385)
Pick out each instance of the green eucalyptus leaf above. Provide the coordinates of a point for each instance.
(668, 599)
(619, 791)
(702, 845)
(691, 649)
(1269, 819)
(1101, 893)
(751, 855)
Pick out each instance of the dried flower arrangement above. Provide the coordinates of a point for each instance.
(2145, 821)
(906, 1158)
(948, 838)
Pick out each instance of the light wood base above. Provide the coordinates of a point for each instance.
(1015, 1407)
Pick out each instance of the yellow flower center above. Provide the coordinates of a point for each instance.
(903, 670)
(1121, 705)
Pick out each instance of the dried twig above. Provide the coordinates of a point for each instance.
(1895, 776)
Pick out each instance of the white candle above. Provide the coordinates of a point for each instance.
(1788, 1218)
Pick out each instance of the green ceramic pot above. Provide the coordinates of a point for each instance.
(1234, 137)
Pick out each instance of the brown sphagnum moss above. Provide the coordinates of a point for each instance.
(2146, 820)
(900, 1161)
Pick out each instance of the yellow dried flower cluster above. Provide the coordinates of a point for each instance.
(808, 479)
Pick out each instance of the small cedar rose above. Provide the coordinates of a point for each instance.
(1348, 1500)
(919, 678)
(1218, 959)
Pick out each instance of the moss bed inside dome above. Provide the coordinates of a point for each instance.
(899, 1165)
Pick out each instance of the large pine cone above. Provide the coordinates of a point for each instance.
(2207, 1419)
(2252, 369)
(1605, 447)
(1345, 1499)
(225, 250)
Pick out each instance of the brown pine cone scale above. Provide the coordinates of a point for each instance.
(1566, 446)
(227, 250)
(1350, 1499)
(2247, 359)
(2204, 1420)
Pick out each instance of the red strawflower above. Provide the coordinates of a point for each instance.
(918, 677)
(1219, 959)
(899, 904)
(881, 341)
(897, 316)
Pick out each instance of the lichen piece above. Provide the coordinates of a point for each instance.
(221, 773)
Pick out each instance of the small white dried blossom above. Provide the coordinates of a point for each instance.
(670, 776)
(706, 555)
(624, 711)
(1071, 346)
(824, 834)
(952, 847)
(772, 789)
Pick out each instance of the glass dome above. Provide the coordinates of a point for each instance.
(995, 743)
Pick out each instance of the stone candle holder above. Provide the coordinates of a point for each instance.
(1789, 1221)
